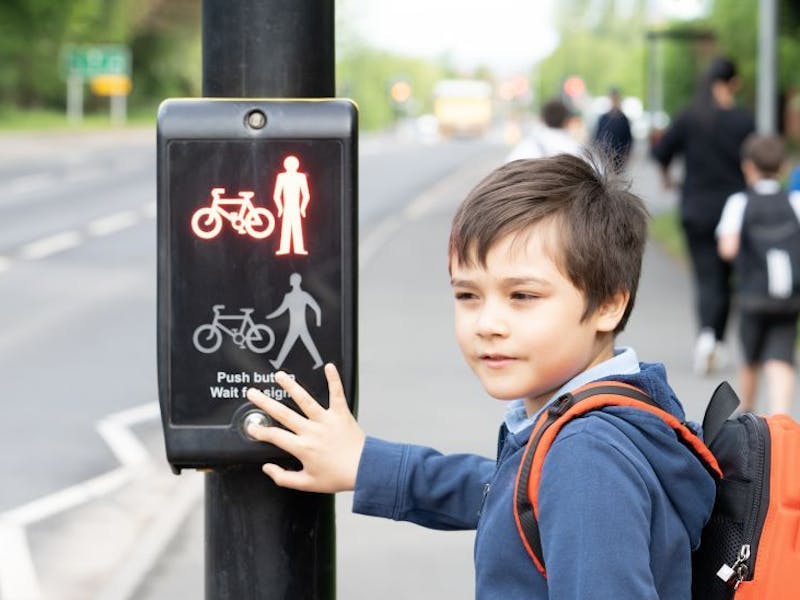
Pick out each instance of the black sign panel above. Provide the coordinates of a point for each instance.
(257, 239)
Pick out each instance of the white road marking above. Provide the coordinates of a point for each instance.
(71, 238)
(30, 183)
(149, 210)
(112, 223)
(115, 430)
(50, 245)
(70, 497)
(375, 239)
(440, 192)
(17, 574)
(154, 540)
(18, 578)
(420, 206)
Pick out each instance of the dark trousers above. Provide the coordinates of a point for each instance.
(712, 277)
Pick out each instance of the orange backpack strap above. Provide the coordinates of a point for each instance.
(566, 407)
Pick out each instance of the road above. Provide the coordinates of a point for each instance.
(77, 348)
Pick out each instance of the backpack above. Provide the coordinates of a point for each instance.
(750, 547)
(768, 262)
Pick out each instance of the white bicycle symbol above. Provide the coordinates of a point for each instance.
(257, 221)
(258, 338)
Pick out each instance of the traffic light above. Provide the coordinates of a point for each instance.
(257, 238)
(400, 91)
(574, 86)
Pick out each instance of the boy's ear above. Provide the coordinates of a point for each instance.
(609, 313)
(750, 171)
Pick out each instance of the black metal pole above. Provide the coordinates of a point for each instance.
(268, 48)
(264, 542)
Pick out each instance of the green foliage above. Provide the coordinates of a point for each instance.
(601, 43)
(588, 55)
(365, 74)
(666, 231)
(165, 41)
(34, 34)
(682, 64)
(735, 26)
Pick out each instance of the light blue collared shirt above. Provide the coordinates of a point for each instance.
(624, 362)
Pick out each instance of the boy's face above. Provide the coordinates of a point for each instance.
(518, 320)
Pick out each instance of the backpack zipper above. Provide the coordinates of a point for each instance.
(744, 566)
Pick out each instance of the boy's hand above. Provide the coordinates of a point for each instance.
(327, 442)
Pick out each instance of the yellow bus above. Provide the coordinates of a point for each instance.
(463, 106)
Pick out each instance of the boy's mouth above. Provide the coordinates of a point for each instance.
(496, 361)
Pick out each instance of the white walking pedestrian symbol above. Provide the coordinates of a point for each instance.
(295, 302)
(291, 197)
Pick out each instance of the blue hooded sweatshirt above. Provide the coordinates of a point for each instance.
(621, 503)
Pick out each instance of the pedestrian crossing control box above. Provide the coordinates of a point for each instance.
(257, 265)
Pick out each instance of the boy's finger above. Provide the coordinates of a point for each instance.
(301, 397)
(335, 387)
(285, 440)
(297, 480)
(257, 397)
(280, 412)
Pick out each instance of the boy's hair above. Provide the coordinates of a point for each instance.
(602, 226)
(766, 152)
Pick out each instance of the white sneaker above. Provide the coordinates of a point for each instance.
(704, 350)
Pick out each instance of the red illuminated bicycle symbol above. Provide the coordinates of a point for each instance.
(254, 220)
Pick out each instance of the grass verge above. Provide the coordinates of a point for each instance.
(15, 120)
(665, 230)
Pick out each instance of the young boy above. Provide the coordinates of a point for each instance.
(759, 231)
(544, 260)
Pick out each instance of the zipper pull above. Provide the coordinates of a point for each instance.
(734, 574)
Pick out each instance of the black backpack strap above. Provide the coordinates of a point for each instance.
(721, 406)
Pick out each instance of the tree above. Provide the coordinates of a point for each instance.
(602, 41)
(34, 34)
(366, 75)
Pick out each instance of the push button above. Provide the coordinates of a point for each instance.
(254, 417)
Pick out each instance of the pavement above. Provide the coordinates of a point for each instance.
(156, 551)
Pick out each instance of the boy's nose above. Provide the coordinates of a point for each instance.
(491, 323)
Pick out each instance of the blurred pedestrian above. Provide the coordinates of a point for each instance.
(613, 134)
(760, 232)
(551, 137)
(709, 134)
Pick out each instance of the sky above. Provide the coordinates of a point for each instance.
(507, 35)
(510, 36)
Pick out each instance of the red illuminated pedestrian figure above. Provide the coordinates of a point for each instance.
(295, 302)
(291, 197)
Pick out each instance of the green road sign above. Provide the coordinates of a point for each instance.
(88, 61)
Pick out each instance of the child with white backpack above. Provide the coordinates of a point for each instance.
(759, 231)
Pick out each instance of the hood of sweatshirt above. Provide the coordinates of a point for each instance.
(685, 479)
(684, 476)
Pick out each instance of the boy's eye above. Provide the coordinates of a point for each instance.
(465, 296)
(523, 296)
